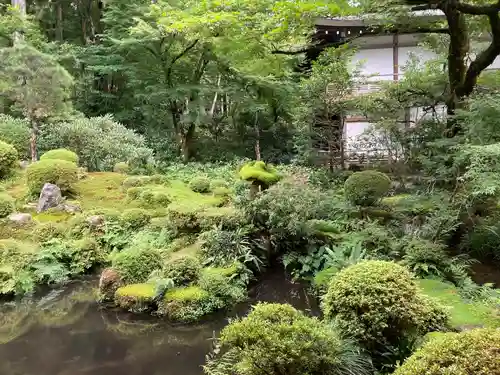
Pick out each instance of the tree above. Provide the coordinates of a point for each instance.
(36, 85)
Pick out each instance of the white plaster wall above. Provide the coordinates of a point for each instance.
(404, 55)
(374, 62)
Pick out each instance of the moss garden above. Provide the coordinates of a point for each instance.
(182, 242)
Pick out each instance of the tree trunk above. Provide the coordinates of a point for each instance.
(257, 138)
(59, 29)
(186, 143)
(33, 141)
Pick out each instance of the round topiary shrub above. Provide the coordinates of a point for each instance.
(7, 205)
(367, 187)
(121, 167)
(135, 218)
(259, 173)
(60, 154)
(8, 159)
(183, 270)
(472, 352)
(59, 172)
(200, 185)
(134, 265)
(379, 304)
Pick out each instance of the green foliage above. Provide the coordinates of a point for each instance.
(225, 290)
(135, 218)
(185, 304)
(8, 159)
(7, 205)
(470, 352)
(135, 181)
(183, 270)
(277, 338)
(378, 303)
(121, 167)
(62, 173)
(260, 172)
(46, 231)
(135, 264)
(15, 257)
(15, 131)
(60, 154)
(367, 187)
(200, 185)
(99, 142)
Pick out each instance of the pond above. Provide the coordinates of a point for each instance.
(67, 333)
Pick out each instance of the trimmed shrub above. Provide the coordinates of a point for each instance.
(218, 184)
(367, 187)
(59, 172)
(277, 338)
(135, 218)
(379, 304)
(153, 197)
(47, 231)
(8, 159)
(7, 205)
(472, 352)
(121, 167)
(16, 131)
(183, 270)
(60, 154)
(135, 181)
(258, 171)
(134, 265)
(200, 185)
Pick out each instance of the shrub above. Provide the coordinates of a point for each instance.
(379, 304)
(121, 167)
(276, 338)
(85, 254)
(99, 142)
(47, 231)
(217, 183)
(59, 172)
(367, 187)
(221, 285)
(200, 185)
(221, 192)
(8, 159)
(135, 181)
(61, 154)
(135, 264)
(153, 197)
(258, 171)
(135, 218)
(183, 270)
(471, 352)
(16, 132)
(7, 205)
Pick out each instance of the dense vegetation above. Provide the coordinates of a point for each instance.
(181, 136)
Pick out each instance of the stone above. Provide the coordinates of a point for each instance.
(109, 282)
(50, 197)
(21, 218)
(69, 208)
(96, 220)
(30, 207)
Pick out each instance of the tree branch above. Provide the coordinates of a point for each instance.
(478, 10)
(184, 52)
(484, 59)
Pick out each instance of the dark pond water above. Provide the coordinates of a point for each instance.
(66, 333)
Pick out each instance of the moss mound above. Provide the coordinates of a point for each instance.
(7, 205)
(367, 187)
(200, 185)
(8, 159)
(260, 172)
(378, 303)
(474, 352)
(59, 172)
(61, 154)
(135, 218)
(135, 297)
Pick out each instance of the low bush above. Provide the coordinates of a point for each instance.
(276, 338)
(135, 181)
(153, 198)
(61, 154)
(471, 352)
(258, 171)
(8, 159)
(135, 265)
(200, 185)
(16, 131)
(135, 218)
(183, 270)
(62, 173)
(224, 289)
(47, 231)
(379, 304)
(367, 187)
(85, 254)
(121, 167)
(7, 205)
(217, 183)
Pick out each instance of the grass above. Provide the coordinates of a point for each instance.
(463, 313)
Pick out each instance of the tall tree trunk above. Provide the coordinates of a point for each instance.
(59, 26)
(33, 141)
(257, 137)
(186, 142)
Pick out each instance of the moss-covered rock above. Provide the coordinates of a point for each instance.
(109, 281)
(200, 185)
(7, 205)
(367, 187)
(184, 304)
(61, 154)
(62, 173)
(474, 352)
(8, 159)
(135, 297)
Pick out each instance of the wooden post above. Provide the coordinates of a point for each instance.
(395, 57)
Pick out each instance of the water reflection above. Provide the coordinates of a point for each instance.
(66, 333)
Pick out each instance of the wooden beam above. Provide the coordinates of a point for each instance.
(395, 57)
